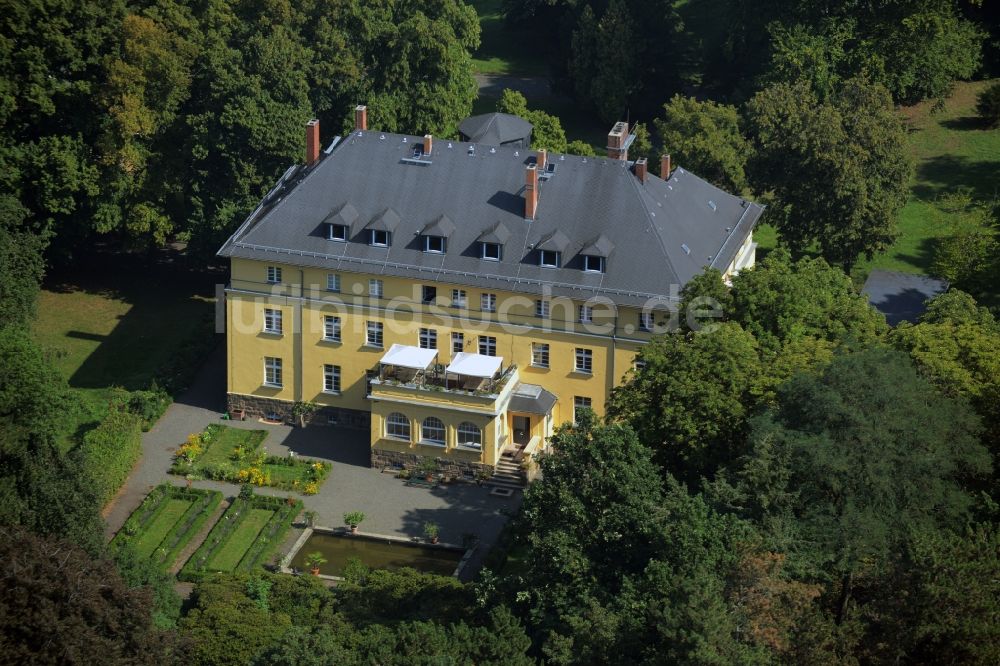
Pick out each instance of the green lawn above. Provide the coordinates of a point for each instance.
(118, 321)
(239, 541)
(226, 440)
(501, 49)
(153, 534)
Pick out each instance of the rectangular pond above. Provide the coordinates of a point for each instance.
(375, 553)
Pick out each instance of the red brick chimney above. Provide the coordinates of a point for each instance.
(530, 192)
(542, 159)
(312, 142)
(665, 167)
(361, 118)
(616, 141)
(428, 144)
(640, 169)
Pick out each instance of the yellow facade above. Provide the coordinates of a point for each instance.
(303, 300)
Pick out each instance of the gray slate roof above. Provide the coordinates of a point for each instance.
(901, 296)
(663, 233)
(496, 129)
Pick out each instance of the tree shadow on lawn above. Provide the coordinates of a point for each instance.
(965, 123)
(946, 173)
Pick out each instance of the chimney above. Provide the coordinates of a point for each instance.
(665, 167)
(616, 141)
(640, 169)
(428, 144)
(530, 192)
(542, 159)
(312, 142)
(361, 118)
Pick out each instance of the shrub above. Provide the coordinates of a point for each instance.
(988, 105)
(111, 450)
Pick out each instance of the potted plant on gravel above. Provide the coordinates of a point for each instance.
(431, 531)
(314, 561)
(352, 519)
(426, 468)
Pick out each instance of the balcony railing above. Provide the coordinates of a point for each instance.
(434, 378)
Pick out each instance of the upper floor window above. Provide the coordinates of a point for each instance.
(379, 238)
(540, 354)
(428, 294)
(336, 232)
(586, 314)
(646, 321)
(491, 251)
(457, 342)
(272, 371)
(487, 345)
(549, 258)
(584, 360)
(593, 264)
(373, 334)
(331, 379)
(272, 321)
(542, 308)
(488, 302)
(273, 274)
(459, 299)
(375, 288)
(331, 328)
(333, 282)
(428, 338)
(435, 244)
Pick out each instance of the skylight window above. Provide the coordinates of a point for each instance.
(491, 251)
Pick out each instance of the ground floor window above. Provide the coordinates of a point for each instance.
(579, 403)
(272, 371)
(469, 434)
(373, 336)
(433, 430)
(397, 426)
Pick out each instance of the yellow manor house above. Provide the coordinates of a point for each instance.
(460, 299)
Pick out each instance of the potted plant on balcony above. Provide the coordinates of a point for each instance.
(431, 531)
(314, 561)
(352, 519)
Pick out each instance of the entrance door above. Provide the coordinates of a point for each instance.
(522, 430)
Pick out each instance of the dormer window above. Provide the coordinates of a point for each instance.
(549, 258)
(336, 232)
(434, 244)
(492, 251)
(592, 264)
(378, 238)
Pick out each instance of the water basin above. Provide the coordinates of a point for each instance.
(375, 553)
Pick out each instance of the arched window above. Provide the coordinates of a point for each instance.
(433, 430)
(397, 426)
(470, 435)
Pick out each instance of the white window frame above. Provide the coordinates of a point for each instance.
(379, 238)
(340, 237)
(646, 322)
(583, 361)
(427, 338)
(331, 378)
(374, 333)
(457, 342)
(273, 321)
(273, 367)
(587, 261)
(543, 308)
(540, 354)
(333, 282)
(435, 244)
(553, 255)
(375, 288)
(430, 425)
(495, 252)
(470, 435)
(402, 426)
(586, 314)
(580, 402)
(459, 299)
(487, 345)
(488, 302)
(274, 274)
(331, 328)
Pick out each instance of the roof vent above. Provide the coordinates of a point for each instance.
(711, 204)
(686, 249)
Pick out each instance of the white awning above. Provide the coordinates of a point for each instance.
(474, 365)
(409, 357)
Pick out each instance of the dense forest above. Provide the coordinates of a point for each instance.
(796, 484)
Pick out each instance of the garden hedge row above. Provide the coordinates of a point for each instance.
(111, 450)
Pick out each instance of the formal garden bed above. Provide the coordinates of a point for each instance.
(236, 455)
(245, 535)
(166, 521)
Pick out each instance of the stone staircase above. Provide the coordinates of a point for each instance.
(508, 474)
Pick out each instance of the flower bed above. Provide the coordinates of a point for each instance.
(229, 454)
(166, 521)
(243, 538)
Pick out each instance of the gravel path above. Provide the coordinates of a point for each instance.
(390, 507)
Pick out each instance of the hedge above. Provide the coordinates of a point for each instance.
(285, 510)
(111, 450)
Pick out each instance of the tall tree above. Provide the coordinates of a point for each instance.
(837, 171)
